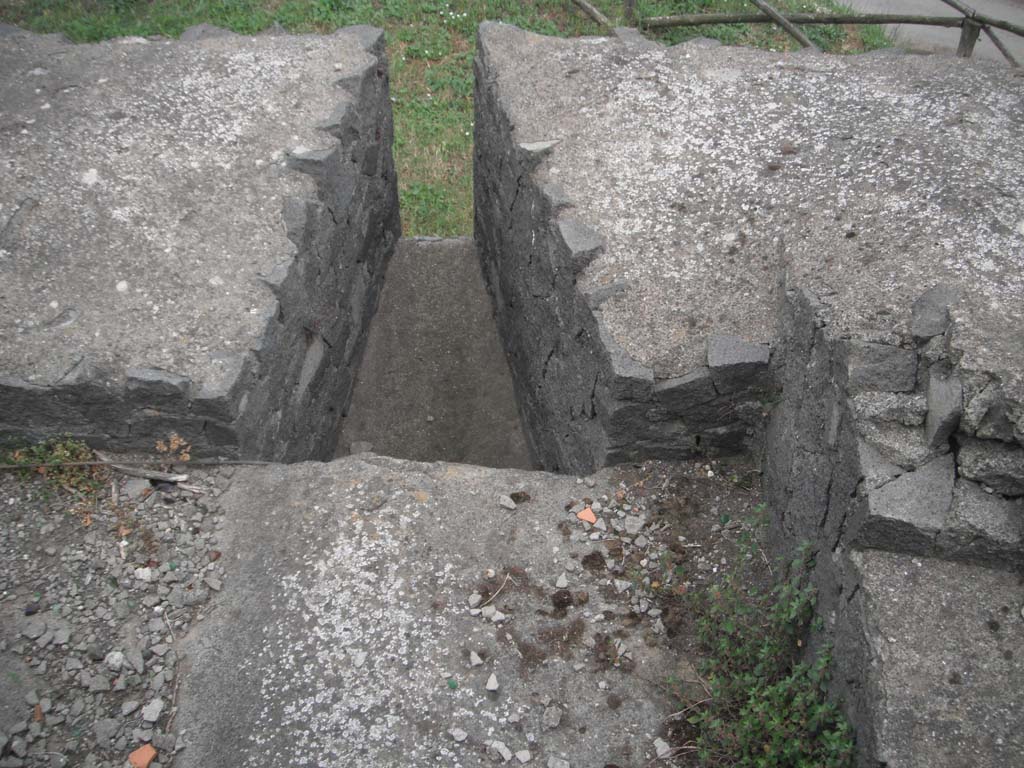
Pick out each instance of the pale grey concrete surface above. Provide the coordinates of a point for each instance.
(162, 208)
(719, 181)
(943, 661)
(706, 169)
(434, 384)
(347, 613)
(914, 37)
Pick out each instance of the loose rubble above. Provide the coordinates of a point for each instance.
(93, 599)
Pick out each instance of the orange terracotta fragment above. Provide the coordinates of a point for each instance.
(587, 515)
(142, 757)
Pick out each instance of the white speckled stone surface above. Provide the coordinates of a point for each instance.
(711, 170)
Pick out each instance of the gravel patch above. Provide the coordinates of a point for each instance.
(95, 594)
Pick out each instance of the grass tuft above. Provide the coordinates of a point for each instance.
(767, 705)
(44, 458)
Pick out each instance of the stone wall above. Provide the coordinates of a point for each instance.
(585, 402)
(869, 450)
(345, 236)
(277, 393)
(649, 198)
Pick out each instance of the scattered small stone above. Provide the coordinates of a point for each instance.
(105, 730)
(98, 684)
(662, 749)
(557, 762)
(562, 582)
(506, 502)
(152, 711)
(114, 661)
(19, 747)
(498, 748)
(458, 734)
(475, 599)
(474, 659)
(634, 524)
(134, 657)
(165, 742)
(524, 756)
(492, 682)
(128, 707)
(552, 717)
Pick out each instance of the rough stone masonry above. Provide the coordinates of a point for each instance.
(193, 235)
(818, 258)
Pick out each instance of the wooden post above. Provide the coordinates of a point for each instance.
(968, 37)
(629, 11)
(787, 25)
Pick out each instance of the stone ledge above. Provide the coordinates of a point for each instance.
(586, 401)
(239, 360)
(931, 650)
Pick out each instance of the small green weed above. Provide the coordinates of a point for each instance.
(81, 481)
(767, 707)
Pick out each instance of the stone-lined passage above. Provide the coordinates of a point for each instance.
(434, 384)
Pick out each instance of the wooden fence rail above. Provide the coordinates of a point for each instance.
(971, 23)
(704, 19)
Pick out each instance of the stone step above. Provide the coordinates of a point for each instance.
(931, 512)
(346, 634)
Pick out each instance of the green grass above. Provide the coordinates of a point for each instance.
(833, 38)
(430, 44)
(45, 458)
(767, 704)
